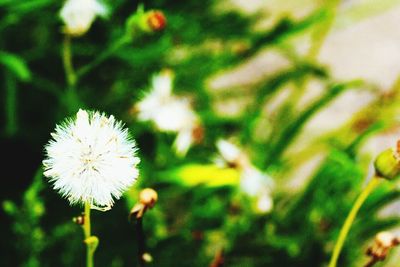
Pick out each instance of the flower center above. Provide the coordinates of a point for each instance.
(88, 158)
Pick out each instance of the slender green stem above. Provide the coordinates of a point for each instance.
(350, 219)
(87, 232)
(140, 241)
(67, 60)
(290, 132)
(10, 104)
(103, 56)
(322, 31)
(318, 39)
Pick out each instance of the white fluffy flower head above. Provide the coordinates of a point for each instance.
(91, 159)
(78, 15)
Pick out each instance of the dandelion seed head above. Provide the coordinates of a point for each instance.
(91, 159)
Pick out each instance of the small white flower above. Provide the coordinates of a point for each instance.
(258, 185)
(253, 182)
(175, 115)
(183, 141)
(78, 15)
(228, 151)
(91, 159)
(168, 112)
(265, 203)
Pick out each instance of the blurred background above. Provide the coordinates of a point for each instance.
(271, 115)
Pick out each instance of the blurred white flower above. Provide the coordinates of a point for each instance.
(265, 203)
(91, 159)
(169, 113)
(253, 182)
(258, 185)
(183, 141)
(228, 151)
(78, 15)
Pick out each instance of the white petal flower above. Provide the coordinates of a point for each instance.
(162, 83)
(91, 159)
(257, 185)
(183, 141)
(168, 112)
(253, 182)
(78, 15)
(174, 116)
(265, 203)
(228, 151)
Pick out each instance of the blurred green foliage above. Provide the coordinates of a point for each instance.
(201, 210)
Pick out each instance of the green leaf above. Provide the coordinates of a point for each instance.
(293, 129)
(6, 2)
(9, 207)
(364, 10)
(16, 64)
(208, 174)
(29, 6)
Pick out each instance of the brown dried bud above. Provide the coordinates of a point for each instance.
(137, 211)
(385, 239)
(384, 242)
(198, 134)
(79, 220)
(156, 20)
(148, 197)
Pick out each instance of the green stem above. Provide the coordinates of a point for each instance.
(321, 33)
(350, 219)
(291, 130)
(87, 232)
(67, 60)
(10, 104)
(318, 39)
(103, 56)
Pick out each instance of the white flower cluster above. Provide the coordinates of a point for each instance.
(253, 182)
(169, 113)
(78, 15)
(91, 159)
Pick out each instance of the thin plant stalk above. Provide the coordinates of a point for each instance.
(140, 241)
(87, 232)
(321, 33)
(103, 56)
(67, 61)
(10, 105)
(350, 219)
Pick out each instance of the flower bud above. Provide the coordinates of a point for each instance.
(79, 220)
(385, 239)
(387, 164)
(145, 22)
(148, 197)
(156, 20)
